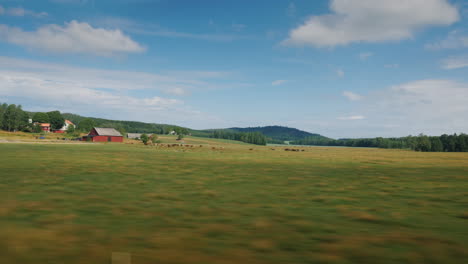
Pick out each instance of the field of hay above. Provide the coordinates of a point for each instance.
(230, 203)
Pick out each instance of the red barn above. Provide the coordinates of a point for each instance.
(99, 134)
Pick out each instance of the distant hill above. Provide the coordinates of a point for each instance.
(279, 134)
(125, 126)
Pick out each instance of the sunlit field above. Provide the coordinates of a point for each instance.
(230, 203)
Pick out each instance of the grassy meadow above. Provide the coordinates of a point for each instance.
(236, 203)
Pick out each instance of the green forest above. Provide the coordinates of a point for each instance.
(256, 138)
(279, 134)
(444, 143)
(14, 118)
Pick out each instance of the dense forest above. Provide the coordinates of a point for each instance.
(445, 143)
(256, 138)
(279, 134)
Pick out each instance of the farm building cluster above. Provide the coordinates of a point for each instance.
(97, 134)
(46, 127)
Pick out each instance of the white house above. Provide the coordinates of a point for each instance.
(65, 127)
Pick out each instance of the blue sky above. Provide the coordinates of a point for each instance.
(341, 68)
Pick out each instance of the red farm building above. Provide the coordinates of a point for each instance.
(99, 134)
(45, 127)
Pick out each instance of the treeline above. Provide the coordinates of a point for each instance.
(444, 143)
(85, 124)
(256, 138)
(13, 118)
(278, 134)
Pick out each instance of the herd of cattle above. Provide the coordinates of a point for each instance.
(212, 148)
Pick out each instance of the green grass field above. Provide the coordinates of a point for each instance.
(79, 203)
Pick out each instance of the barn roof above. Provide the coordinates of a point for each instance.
(107, 132)
(69, 122)
(134, 135)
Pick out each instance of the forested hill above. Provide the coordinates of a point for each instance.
(279, 134)
(123, 126)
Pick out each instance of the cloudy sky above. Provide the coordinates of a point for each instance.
(341, 68)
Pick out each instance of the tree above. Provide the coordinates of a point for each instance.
(154, 139)
(40, 117)
(180, 137)
(71, 129)
(144, 138)
(56, 120)
(423, 143)
(436, 144)
(3, 108)
(86, 125)
(9, 118)
(36, 128)
(23, 121)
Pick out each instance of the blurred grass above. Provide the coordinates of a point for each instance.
(78, 204)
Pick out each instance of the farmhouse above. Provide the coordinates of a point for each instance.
(99, 134)
(65, 127)
(45, 127)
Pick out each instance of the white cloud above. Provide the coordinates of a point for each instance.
(278, 82)
(175, 83)
(365, 55)
(352, 96)
(432, 107)
(19, 11)
(106, 93)
(76, 95)
(353, 117)
(427, 106)
(372, 21)
(73, 37)
(134, 27)
(454, 40)
(178, 91)
(455, 62)
(340, 73)
(16, 11)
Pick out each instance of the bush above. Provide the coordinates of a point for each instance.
(144, 138)
(154, 139)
